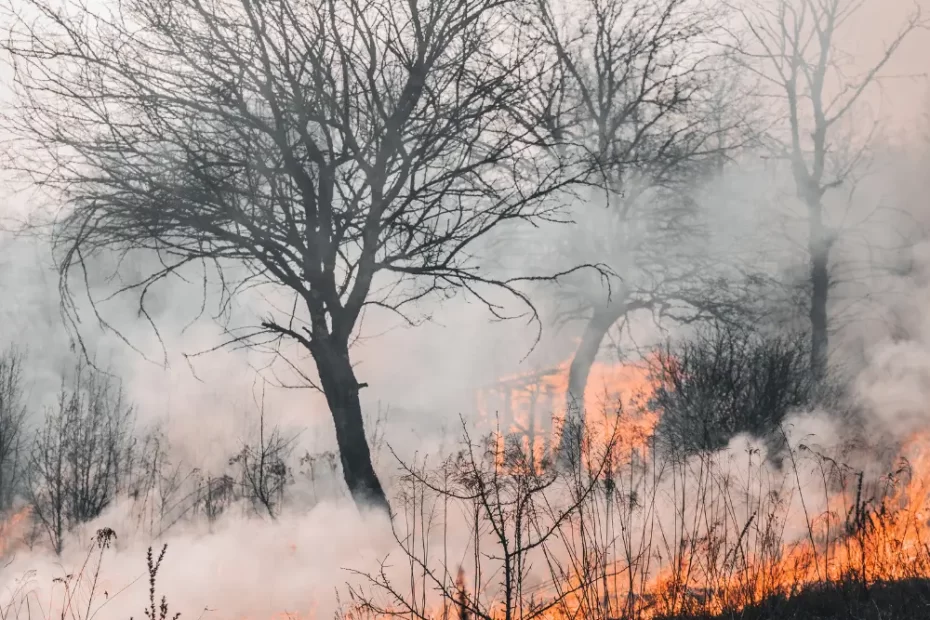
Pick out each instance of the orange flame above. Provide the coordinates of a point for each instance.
(11, 529)
(531, 407)
(723, 554)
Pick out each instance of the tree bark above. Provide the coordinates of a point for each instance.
(341, 388)
(819, 247)
(573, 426)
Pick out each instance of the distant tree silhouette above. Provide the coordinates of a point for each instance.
(792, 47)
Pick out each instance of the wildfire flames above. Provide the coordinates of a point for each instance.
(530, 408)
(740, 533)
(710, 533)
(704, 534)
(863, 536)
(11, 530)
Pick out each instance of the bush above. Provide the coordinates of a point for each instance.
(725, 381)
(82, 454)
(12, 427)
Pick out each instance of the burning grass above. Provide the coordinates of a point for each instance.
(500, 531)
(896, 600)
(633, 534)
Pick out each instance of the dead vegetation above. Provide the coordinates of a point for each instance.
(635, 535)
(497, 530)
(630, 535)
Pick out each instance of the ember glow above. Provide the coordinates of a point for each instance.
(530, 407)
(12, 529)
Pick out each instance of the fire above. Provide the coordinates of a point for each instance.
(719, 531)
(531, 407)
(11, 530)
(704, 534)
(861, 537)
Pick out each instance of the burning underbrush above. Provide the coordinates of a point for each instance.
(503, 529)
(631, 534)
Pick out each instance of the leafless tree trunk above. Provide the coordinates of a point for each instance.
(633, 85)
(595, 330)
(351, 155)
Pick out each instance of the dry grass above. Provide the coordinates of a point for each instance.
(630, 534)
(625, 534)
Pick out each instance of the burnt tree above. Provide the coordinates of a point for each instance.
(348, 154)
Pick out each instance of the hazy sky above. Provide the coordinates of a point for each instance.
(904, 95)
(460, 344)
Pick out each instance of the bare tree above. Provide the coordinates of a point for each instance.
(793, 47)
(163, 488)
(638, 86)
(12, 426)
(80, 455)
(349, 154)
(263, 468)
(512, 510)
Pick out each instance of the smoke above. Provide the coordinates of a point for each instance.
(421, 380)
(240, 568)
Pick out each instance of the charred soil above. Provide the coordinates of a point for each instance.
(907, 599)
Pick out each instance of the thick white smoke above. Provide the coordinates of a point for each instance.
(421, 378)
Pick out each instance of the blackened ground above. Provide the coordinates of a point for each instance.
(898, 600)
